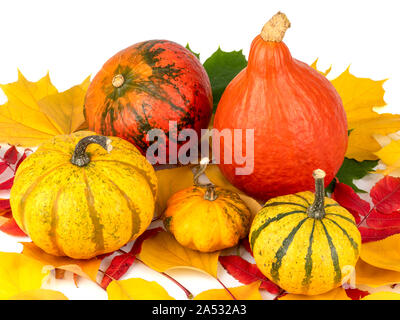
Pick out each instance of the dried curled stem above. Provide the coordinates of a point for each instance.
(274, 30)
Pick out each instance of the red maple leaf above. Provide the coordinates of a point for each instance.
(11, 228)
(347, 198)
(380, 221)
(11, 155)
(370, 234)
(3, 166)
(246, 244)
(386, 195)
(246, 272)
(356, 294)
(120, 264)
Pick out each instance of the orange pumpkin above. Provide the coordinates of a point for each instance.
(145, 86)
(297, 115)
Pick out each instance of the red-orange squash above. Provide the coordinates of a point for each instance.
(144, 87)
(297, 115)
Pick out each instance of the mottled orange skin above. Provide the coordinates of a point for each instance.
(298, 119)
(163, 82)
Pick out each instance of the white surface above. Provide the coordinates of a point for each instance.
(74, 38)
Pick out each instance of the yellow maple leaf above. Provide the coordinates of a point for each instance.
(247, 292)
(360, 96)
(162, 252)
(382, 296)
(335, 294)
(384, 254)
(324, 73)
(390, 155)
(19, 273)
(39, 294)
(374, 277)
(36, 111)
(136, 289)
(85, 268)
(173, 180)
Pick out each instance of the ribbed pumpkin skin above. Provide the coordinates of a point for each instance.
(204, 225)
(298, 120)
(82, 212)
(163, 81)
(301, 254)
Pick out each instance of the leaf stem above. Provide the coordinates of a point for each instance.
(375, 205)
(227, 290)
(189, 295)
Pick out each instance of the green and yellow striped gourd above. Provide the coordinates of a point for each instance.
(82, 195)
(304, 242)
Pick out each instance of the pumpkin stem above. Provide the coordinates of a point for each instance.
(200, 170)
(80, 158)
(274, 30)
(210, 193)
(118, 80)
(317, 210)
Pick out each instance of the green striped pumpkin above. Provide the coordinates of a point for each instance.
(305, 243)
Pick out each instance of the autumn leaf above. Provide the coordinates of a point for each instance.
(65, 109)
(36, 111)
(378, 225)
(40, 294)
(10, 227)
(19, 273)
(384, 254)
(4, 204)
(350, 200)
(382, 296)
(324, 73)
(386, 195)
(360, 96)
(390, 155)
(247, 273)
(247, 292)
(246, 245)
(370, 234)
(84, 268)
(356, 294)
(120, 264)
(374, 277)
(11, 155)
(335, 294)
(171, 181)
(221, 68)
(136, 289)
(162, 252)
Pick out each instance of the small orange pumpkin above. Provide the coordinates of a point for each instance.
(207, 218)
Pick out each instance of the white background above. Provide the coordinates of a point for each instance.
(74, 38)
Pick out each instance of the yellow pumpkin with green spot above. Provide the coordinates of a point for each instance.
(306, 243)
(82, 195)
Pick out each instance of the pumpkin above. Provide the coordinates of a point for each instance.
(305, 243)
(207, 218)
(297, 115)
(147, 86)
(82, 195)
